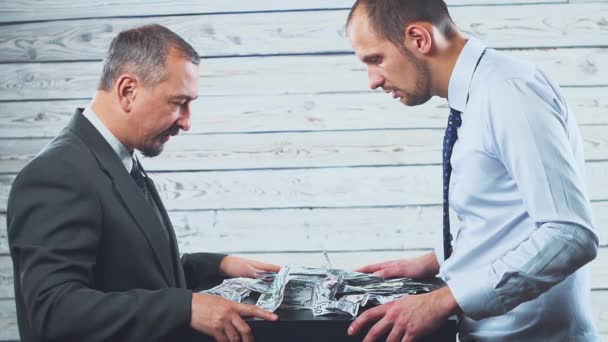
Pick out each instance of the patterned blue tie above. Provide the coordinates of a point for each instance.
(451, 135)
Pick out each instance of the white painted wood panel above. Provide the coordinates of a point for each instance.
(301, 32)
(274, 113)
(336, 229)
(267, 75)
(297, 188)
(8, 320)
(600, 214)
(30, 10)
(7, 289)
(283, 150)
(312, 113)
(586, 2)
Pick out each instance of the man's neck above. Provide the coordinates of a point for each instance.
(103, 109)
(448, 54)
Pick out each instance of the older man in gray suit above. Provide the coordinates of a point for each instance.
(94, 253)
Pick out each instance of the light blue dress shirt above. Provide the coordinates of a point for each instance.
(522, 226)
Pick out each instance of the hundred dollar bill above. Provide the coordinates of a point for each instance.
(350, 304)
(324, 294)
(298, 294)
(237, 289)
(230, 290)
(271, 300)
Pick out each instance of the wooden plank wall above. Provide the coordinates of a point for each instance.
(290, 154)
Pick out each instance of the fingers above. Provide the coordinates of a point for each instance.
(396, 334)
(369, 268)
(262, 266)
(243, 328)
(408, 338)
(254, 311)
(379, 266)
(366, 318)
(231, 333)
(379, 330)
(388, 272)
(220, 336)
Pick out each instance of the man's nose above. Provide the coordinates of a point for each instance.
(184, 120)
(375, 79)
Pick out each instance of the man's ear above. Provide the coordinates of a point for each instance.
(418, 38)
(126, 89)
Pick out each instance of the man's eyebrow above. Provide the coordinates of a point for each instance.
(368, 58)
(184, 97)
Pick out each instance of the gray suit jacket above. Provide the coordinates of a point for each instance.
(91, 261)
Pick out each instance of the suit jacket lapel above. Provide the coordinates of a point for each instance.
(127, 191)
(180, 278)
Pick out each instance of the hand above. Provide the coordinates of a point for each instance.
(408, 317)
(221, 318)
(424, 266)
(233, 267)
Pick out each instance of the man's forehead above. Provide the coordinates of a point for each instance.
(359, 21)
(360, 31)
(363, 38)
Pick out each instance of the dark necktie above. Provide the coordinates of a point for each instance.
(451, 135)
(140, 180)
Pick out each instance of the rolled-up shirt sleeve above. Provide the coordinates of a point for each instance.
(529, 135)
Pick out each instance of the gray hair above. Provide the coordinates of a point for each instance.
(143, 51)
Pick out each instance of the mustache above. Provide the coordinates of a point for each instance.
(173, 130)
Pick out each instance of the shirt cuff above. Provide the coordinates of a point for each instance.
(475, 294)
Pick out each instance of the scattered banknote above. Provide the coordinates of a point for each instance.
(230, 289)
(324, 295)
(322, 290)
(298, 295)
(271, 300)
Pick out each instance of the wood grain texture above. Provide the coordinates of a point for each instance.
(266, 75)
(300, 32)
(285, 150)
(32, 10)
(311, 188)
(276, 113)
(292, 147)
(600, 213)
(336, 229)
(8, 320)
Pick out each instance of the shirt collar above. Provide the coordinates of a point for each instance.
(460, 81)
(125, 156)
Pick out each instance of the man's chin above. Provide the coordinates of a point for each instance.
(152, 151)
(414, 101)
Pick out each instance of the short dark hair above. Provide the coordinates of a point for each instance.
(388, 18)
(143, 51)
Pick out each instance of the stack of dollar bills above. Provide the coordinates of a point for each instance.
(322, 290)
